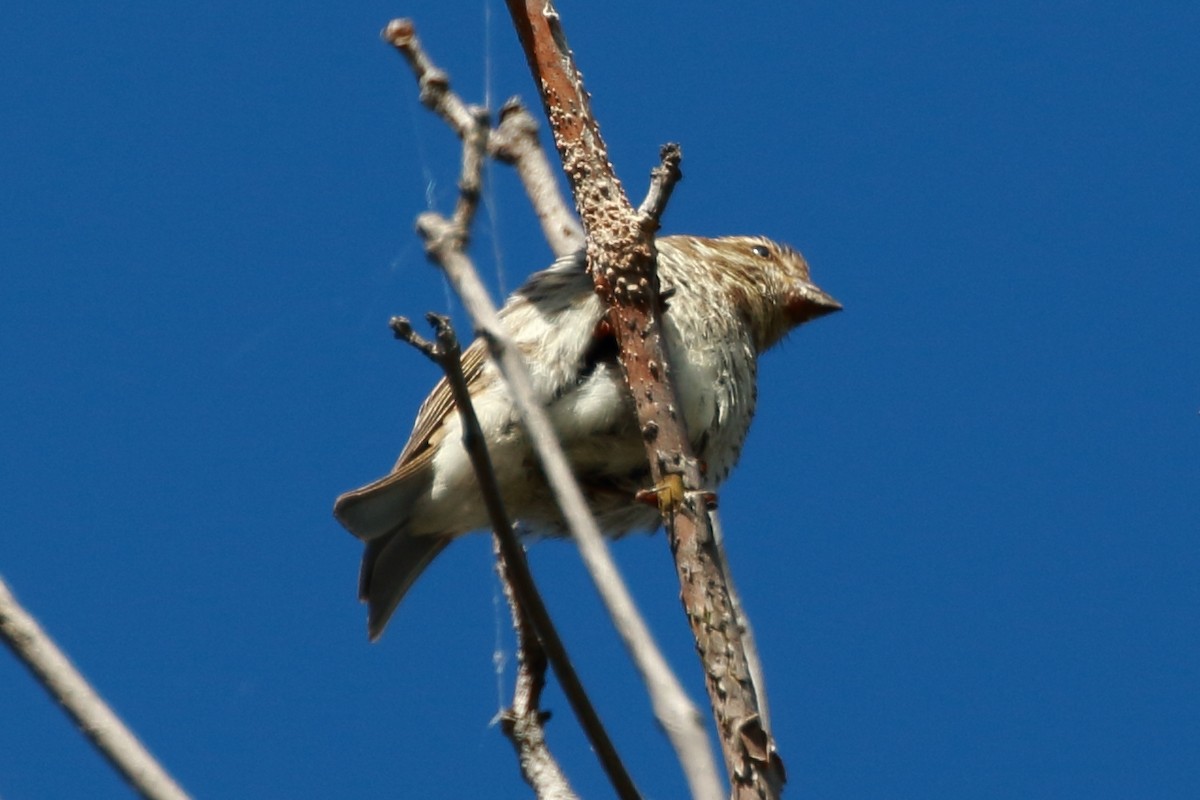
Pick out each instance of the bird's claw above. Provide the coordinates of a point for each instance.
(668, 496)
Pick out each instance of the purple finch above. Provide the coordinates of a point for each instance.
(727, 300)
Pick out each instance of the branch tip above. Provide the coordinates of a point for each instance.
(662, 183)
(399, 32)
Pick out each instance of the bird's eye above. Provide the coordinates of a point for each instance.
(760, 250)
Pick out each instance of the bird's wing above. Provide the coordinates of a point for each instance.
(430, 425)
(552, 321)
(532, 314)
(378, 509)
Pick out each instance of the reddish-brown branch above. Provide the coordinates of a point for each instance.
(621, 257)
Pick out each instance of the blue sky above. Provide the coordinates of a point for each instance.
(966, 519)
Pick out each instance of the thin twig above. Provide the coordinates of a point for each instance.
(470, 181)
(446, 354)
(681, 720)
(433, 82)
(514, 141)
(524, 722)
(662, 183)
(65, 684)
(451, 243)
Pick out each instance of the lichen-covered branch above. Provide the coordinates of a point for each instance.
(621, 256)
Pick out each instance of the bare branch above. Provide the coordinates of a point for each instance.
(432, 81)
(518, 579)
(66, 685)
(446, 247)
(621, 257)
(662, 182)
(524, 722)
(514, 141)
(671, 705)
(470, 182)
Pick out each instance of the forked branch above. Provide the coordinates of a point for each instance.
(621, 255)
(445, 241)
(523, 723)
(514, 141)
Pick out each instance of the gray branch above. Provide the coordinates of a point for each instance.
(514, 141)
(65, 684)
(529, 611)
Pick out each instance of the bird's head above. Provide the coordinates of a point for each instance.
(767, 283)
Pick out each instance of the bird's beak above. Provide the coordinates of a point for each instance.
(807, 302)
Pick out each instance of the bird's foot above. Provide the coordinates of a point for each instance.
(668, 496)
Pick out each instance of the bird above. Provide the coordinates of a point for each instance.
(727, 300)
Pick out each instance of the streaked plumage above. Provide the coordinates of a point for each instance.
(729, 300)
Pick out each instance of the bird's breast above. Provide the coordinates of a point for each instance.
(714, 377)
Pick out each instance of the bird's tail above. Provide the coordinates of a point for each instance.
(394, 556)
(390, 566)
